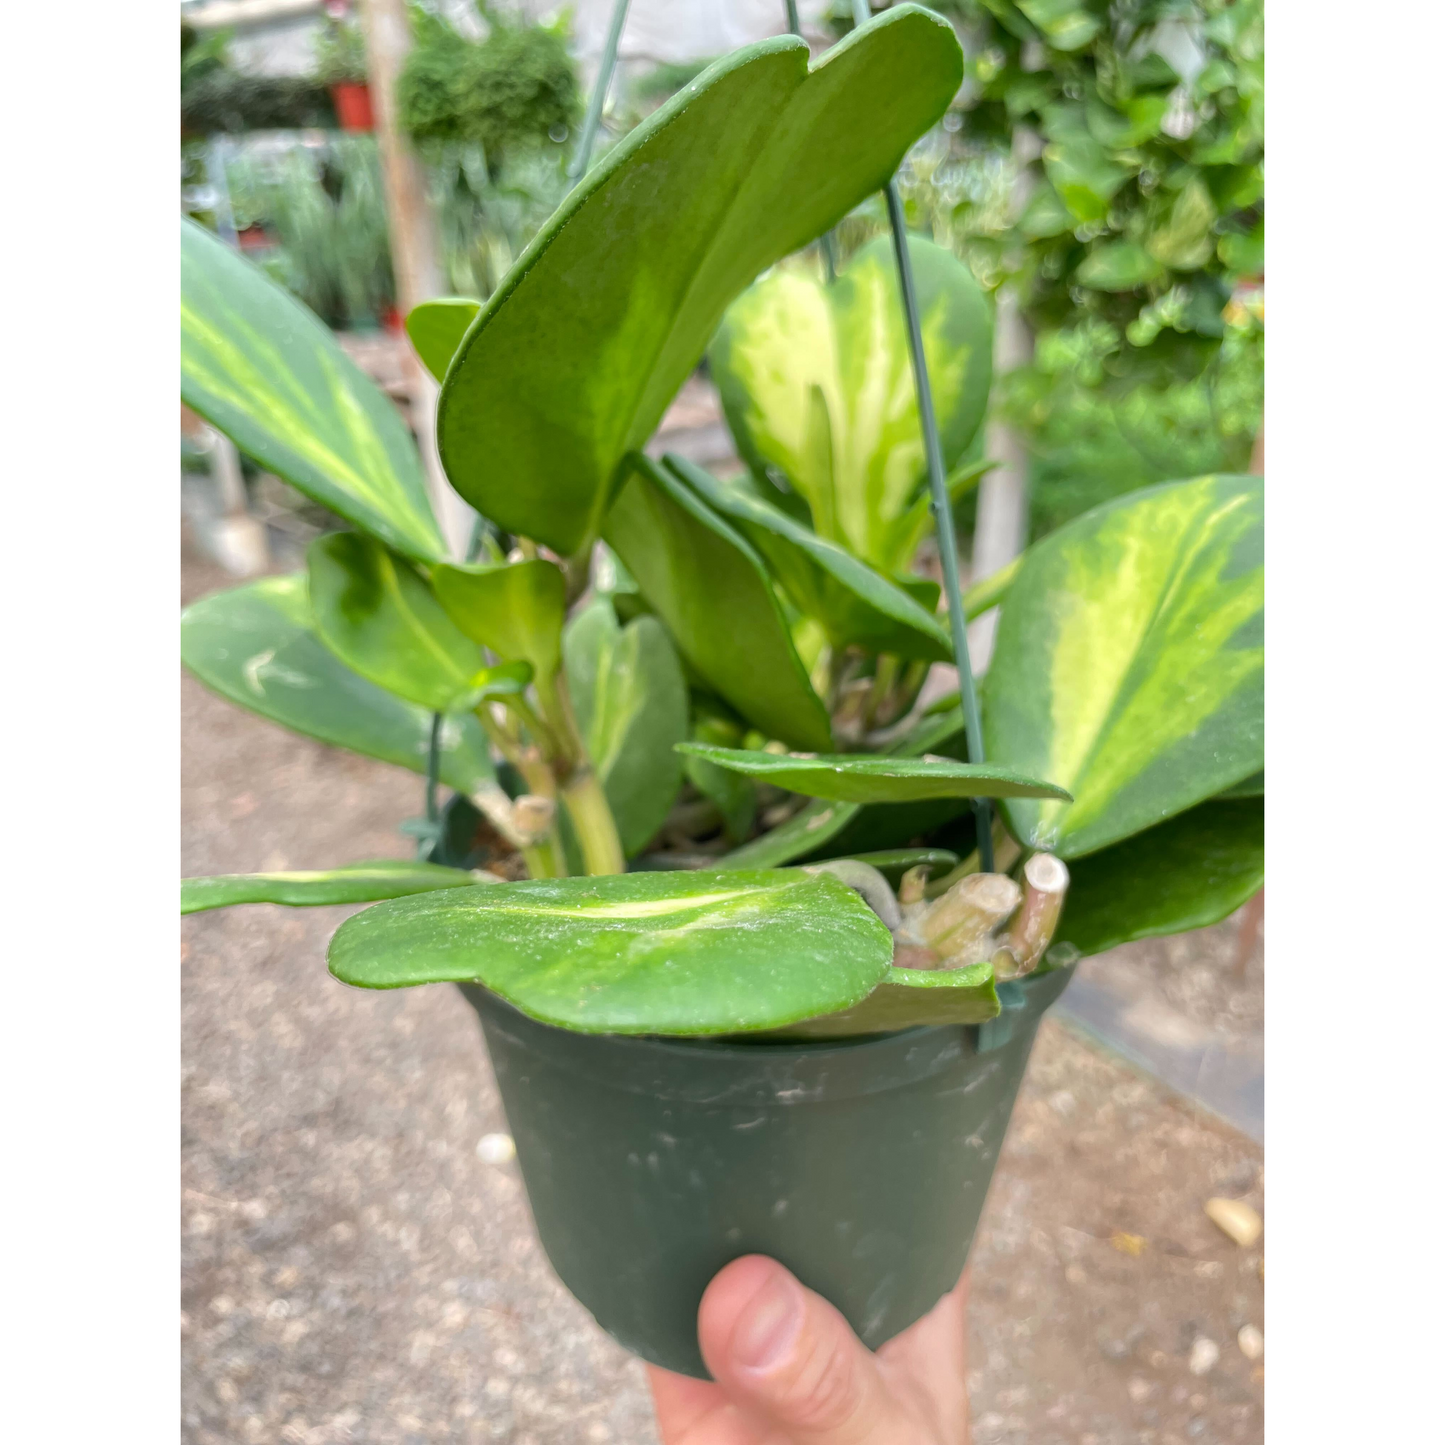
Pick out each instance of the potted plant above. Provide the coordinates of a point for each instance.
(808, 1046)
(341, 68)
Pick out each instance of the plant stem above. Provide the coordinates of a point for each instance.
(592, 818)
(578, 168)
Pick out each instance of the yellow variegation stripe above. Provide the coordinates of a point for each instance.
(1130, 660)
(817, 382)
(262, 369)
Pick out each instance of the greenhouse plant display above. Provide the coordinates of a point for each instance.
(785, 932)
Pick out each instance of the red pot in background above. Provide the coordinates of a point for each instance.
(352, 100)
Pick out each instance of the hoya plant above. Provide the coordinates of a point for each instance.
(694, 789)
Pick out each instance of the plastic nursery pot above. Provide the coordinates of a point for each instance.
(861, 1165)
(352, 100)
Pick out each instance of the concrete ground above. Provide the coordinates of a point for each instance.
(356, 1270)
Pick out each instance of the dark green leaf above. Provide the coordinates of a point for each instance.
(854, 604)
(351, 883)
(810, 831)
(263, 370)
(436, 329)
(586, 340)
(255, 645)
(1188, 872)
(711, 589)
(869, 778)
(1130, 662)
(374, 612)
(631, 702)
(634, 953)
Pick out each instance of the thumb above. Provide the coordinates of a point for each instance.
(787, 1358)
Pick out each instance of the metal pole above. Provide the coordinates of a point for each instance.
(578, 168)
(942, 511)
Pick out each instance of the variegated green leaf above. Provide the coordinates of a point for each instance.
(634, 953)
(631, 703)
(436, 329)
(255, 646)
(816, 381)
(1190, 871)
(578, 352)
(1129, 664)
(382, 620)
(351, 883)
(263, 370)
(712, 591)
(908, 998)
(854, 604)
(870, 778)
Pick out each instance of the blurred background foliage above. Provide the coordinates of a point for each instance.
(322, 209)
(1104, 159)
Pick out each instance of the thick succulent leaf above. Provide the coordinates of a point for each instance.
(868, 778)
(809, 831)
(854, 603)
(586, 340)
(711, 589)
(263, 370)
(381, 619)
(816, 381)
(1129, 664)
(436, 329)
(909, 997)
(351, 883)
(515, 608)
(635, 953)
(631, 703)
(255, 646)
(1190, 871)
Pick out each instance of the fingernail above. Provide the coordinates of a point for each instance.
(765, 1333)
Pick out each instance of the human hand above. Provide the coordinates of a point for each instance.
(789, 1371)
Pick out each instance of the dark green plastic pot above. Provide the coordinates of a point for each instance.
(862, 1165)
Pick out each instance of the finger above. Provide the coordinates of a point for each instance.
(693, 1412)
(928, 1363)
(788, 1358)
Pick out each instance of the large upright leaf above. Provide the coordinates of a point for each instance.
(854, 604)
(351, 883)
(872, 778)
(631, 701)
(1129, 665)
(580, 349)
(374, 612)
(255, 645)
(1189, 871)
(263, 370)
(816, 381)
(634, 953)
(711, 589)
